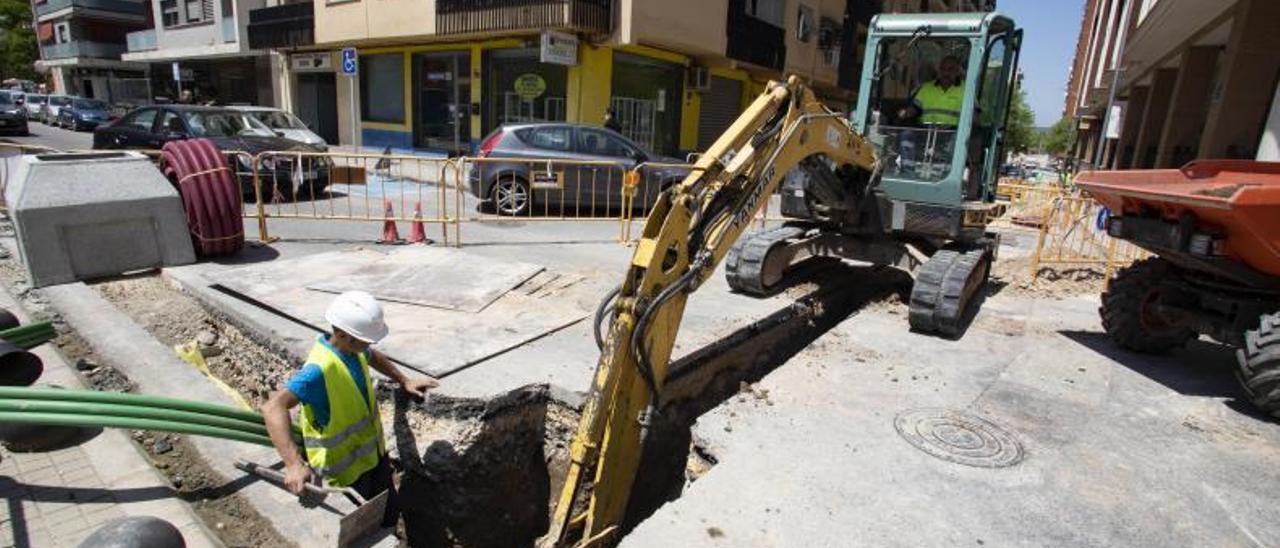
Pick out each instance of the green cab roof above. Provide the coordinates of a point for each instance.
(941, 23)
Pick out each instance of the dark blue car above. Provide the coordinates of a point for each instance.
(83, 114)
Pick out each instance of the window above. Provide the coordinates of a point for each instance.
(169, 13)
(769, 11)
(62, 33)
(223, 124)
(185, 12)
(382, 88)
(547, 138)
(195, 10)
(170, 122)
(140, 120)
(599, 143)
(804, 24)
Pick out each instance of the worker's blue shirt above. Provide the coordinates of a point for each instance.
(308, 384)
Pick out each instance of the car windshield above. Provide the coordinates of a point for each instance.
(224, 124)
(89, 104)
(276, 119)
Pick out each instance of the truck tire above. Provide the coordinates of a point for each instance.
(1125, 312)
(1259, 361)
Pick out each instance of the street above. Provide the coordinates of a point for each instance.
(61, 139)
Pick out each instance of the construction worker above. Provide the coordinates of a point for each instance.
(341, 427)
(938, 103)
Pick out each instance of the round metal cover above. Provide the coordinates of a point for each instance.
(959, 437)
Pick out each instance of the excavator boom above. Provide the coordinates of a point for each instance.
(687, 234)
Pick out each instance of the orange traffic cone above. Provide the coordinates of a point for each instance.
(390, 235)
(418, 233)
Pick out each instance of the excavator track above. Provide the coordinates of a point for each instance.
(944, 289)
(747, 267)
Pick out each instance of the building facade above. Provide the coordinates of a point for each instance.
(441, 74)
(202, 47)
(80, 45)
(1163, 82)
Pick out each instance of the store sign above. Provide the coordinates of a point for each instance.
(559, 48)
(1115, 119)
(529, 86)
(311, 62)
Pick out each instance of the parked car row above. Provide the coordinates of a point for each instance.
(150, 127)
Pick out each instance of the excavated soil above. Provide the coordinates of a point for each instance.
(1013, 275)
(226, 513)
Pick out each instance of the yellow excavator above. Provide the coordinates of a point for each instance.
(874, 187)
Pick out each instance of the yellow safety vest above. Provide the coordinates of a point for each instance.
(351, 443)
(938, 106)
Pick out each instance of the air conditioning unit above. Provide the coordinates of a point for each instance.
(700, 77)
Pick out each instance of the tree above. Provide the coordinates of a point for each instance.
(1060, 137)
(18, 51)
(1020, 132)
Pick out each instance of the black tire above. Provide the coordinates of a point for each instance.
(1259, 361)
(510, 196)
(1126, 313)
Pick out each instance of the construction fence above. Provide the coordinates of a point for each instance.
(439, 196)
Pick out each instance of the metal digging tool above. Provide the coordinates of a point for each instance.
(366, 518)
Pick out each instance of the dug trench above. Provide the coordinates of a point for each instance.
(484, 472)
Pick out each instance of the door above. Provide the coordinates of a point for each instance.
(720, 107)
(318, 104)
(601, 183)
(134, 131)
(442, 100)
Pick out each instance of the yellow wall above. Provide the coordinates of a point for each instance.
(590, 85)
(345, 22)
(697, 27)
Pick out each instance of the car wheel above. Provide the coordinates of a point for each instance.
(511, 195)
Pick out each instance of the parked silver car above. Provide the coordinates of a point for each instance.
(528, 169)
(53, 107)
(35, 102)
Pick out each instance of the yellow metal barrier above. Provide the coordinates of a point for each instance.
(1071, 233)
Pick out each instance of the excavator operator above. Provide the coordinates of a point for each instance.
(938, 103)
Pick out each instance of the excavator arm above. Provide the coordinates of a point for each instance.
(688, 233)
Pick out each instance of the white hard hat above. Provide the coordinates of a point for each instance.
(359, 315)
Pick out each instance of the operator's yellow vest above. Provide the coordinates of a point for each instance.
(938, 106)
(351, 443)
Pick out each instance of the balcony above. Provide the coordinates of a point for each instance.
(284, 26)
(477, 16)
(81, 48)
(143, 40)
(755, 41)
(114, 6)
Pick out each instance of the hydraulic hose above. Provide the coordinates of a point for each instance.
(132, 423)
(29, 336)
(125, 411)
(601, 311)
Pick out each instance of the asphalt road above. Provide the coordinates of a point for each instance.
(61, 139)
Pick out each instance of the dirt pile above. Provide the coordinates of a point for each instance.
(1014, 276)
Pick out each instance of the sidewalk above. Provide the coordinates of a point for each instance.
(59, 498)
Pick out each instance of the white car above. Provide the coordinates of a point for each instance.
(35, 102)
(284, 123)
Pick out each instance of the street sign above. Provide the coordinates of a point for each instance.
(177, 73)
(350, 61)
(559, 48)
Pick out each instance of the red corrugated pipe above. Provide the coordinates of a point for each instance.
(210, 191)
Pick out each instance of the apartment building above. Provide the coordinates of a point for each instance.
(1163, 82)
(202, 46)
(441, 74)
(80, 44)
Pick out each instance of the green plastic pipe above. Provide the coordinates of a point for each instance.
(110, 410)
(135, 400)
(29, 336)
(65, 419)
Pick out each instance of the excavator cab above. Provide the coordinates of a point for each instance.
(918, 70)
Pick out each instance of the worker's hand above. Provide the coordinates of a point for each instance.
(419, 386)
(296, 477)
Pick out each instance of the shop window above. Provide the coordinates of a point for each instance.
(518, 88)
(646, 98)
(382, 88)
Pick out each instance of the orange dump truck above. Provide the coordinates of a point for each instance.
(1214, 227)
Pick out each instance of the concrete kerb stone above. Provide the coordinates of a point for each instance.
(157, 370)
(118, 462)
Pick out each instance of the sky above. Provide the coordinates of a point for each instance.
(1050, 29)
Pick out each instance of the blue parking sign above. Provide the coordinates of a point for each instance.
(350, 62)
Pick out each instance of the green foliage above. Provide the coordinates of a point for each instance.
(18, 51)
(1020, 131)
(1060, 137)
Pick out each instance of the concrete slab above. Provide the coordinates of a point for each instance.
(432, 340)
(1119, 449)
(434, 276)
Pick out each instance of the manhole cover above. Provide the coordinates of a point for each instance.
(959, 437)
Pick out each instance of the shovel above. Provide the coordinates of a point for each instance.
(366, 518)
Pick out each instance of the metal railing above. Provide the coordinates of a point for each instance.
(473, 16)
(1073, 233)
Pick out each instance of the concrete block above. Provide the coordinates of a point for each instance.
(81, 216)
